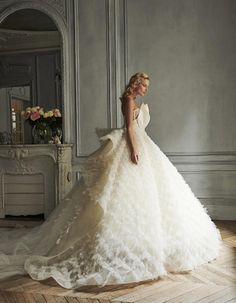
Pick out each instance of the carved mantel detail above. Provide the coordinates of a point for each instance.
(46, 167)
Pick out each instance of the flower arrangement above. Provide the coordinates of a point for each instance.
(37, 114)
(47, 125)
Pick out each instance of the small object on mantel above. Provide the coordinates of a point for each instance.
(5, 138)
(56, 140)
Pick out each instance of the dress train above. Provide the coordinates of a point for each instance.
(122, 223)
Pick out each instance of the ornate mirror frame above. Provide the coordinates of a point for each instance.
(60, 22)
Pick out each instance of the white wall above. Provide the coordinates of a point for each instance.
(92, 72)
(188, 49)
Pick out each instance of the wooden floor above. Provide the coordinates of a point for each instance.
(214, 282)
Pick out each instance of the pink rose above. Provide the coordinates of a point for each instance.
(27, 115)
(57, 113)
(35, 116)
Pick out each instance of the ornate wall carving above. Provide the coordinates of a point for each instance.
(20, 162)
(59, 5)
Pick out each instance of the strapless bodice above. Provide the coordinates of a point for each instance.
(141, 119)
(141, 116)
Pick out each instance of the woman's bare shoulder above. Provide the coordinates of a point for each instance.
(127, 105)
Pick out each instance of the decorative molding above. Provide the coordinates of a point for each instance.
(77, 79)
(21, 167)
(214, 157)
(51, 161)
(15, 172)
(33, 49)
(59, 5)
(20, 152)
(118, 53)
(222, 212)
(114, 61)
(211, 175)
(197, 158)
(114, 46)
(125, 20)
(64, 156)
(70, 106)
(116, 33)
(111, 70)
(5, 3)
(15, 70)
(109, 49)
(19, 40)
(62, 152)
(121, 53)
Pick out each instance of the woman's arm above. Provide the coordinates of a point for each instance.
(128, 113)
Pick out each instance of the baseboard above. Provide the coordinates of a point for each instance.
(222, 212)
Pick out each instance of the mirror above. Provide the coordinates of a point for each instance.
(13, 100)
(30, 71)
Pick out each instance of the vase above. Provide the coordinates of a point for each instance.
(41, 133)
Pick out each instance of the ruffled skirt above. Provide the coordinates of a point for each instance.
(122, 223)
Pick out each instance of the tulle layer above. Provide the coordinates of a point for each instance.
(122, 223)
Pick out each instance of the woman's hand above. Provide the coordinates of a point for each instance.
(134, 157)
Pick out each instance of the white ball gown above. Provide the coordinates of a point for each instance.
(122, 223)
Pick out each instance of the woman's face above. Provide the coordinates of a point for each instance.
(143, 87)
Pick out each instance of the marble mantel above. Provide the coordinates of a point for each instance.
(34, 178)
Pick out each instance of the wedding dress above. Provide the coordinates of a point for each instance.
(122, 223)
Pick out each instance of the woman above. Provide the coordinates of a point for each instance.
(138, 85)
(131, 218)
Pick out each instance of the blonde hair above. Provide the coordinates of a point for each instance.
(134, 82)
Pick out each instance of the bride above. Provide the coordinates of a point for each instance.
(132, 217)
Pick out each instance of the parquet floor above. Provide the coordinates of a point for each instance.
(214, 282)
